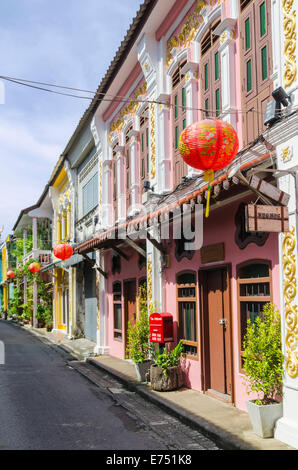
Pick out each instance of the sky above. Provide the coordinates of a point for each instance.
(69, 42)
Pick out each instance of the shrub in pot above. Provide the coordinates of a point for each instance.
(139, 349)
(263, 366)
(166, 372)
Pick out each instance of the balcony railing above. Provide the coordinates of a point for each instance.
(43, 256)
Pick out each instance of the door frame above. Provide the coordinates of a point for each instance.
(204, 350)
(125, 312)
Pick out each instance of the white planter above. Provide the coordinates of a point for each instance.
(141, 369)
(263, 417)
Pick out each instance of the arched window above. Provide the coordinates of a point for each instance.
(254, 291)
(128, 169)
(256, 66)
(115, 183)
(187, 312)
(179, 121)
(117, 310)
(210, 74)
(144, 148)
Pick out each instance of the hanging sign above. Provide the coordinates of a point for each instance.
(269, 190)
(266, 218)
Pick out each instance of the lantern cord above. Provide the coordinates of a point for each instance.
(122, 99)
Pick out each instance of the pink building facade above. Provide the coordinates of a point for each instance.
(180, 62)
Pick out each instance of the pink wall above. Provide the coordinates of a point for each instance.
(220, 227)
(129, 271)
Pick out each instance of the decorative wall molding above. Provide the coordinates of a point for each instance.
(289, 291)
(290, 71)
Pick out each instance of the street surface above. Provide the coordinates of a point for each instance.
(49, 401)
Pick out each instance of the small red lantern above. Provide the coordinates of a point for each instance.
(10, 274)
(63, 251)
(34, 268)
(208, 145)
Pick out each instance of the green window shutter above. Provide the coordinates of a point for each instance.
(263, 19)
(176, 136)
(247, 34)
(143, 168)
(207, 107)
(248, 75)
(143, 142)
(216, 58)
(184, 123)
(183, 98)
(264, 63)
(217, 100)
(147, 137)
(148, 162)
(176, 106)
(206, 76)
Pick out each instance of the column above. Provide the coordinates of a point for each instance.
(121, 172)
(107, 194)
(101, 334)
(287, 427)
(164, 146)
(135, 170)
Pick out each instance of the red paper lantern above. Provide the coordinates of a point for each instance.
(10, 274)
(34, 268)
(208, 145)
(63, 251)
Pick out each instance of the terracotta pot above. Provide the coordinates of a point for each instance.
(164, 383)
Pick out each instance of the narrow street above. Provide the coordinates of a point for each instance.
(45, 403)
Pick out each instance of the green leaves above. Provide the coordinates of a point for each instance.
(263, 359)
(171, 359)
(138, 347)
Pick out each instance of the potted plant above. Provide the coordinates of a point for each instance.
(166, 372)
(139, 349)
(263, 366)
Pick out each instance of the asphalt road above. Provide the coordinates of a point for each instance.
(47, 404)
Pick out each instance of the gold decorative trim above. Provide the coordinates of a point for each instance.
(290, 72)
(152, 139)
(291, 317)
(130, 109)
(189, 29)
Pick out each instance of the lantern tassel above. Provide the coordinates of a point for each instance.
(208, 176)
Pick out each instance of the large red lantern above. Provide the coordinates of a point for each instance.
(63, 251)
(34, 268)
(10, 274)
(208, 145)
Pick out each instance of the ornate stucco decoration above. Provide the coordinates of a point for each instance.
(128, 111)
(291, 317)
(189, 29)
(286, 154)
(152, 140)
(290, 72)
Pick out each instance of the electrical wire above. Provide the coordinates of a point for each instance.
(122, 99)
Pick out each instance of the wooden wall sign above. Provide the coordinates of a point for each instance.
(269, 190)
(266, 218)
(211, 253)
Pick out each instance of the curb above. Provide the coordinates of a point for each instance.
(221, 437)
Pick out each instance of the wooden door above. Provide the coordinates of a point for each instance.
(216, 326)
(130, 304)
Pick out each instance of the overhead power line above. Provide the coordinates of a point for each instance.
(116, 98)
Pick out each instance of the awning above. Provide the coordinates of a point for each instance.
(54, 264)
(109, 236)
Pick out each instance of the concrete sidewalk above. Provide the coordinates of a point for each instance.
(220, 421)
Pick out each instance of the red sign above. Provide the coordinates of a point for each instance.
(161, 327)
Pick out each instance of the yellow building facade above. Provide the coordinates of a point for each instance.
(62, 233)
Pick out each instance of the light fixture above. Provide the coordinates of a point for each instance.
(281, 96)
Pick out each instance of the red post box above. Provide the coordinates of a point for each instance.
(161, 328)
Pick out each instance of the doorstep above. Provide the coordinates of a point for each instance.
(221, 421)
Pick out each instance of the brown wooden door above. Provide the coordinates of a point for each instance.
(130, 304)
(216, 323)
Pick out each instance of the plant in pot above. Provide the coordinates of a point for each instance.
(263, 366)
(139, 349)
(166, 372)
